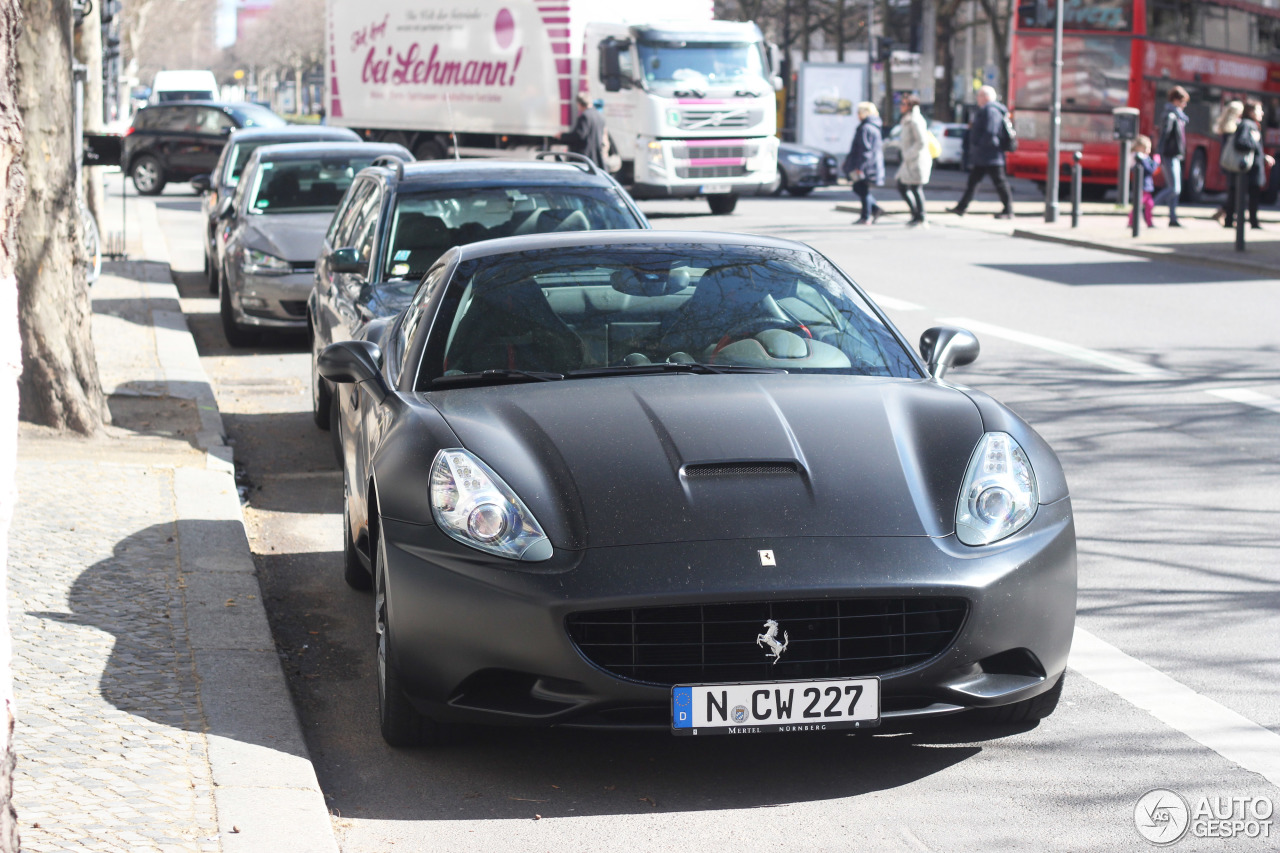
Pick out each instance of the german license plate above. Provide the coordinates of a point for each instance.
(775, 706)
(715, 189)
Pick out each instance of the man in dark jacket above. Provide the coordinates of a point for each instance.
(984, 152)
(587, 136)
(1172, 150)
(865, 163)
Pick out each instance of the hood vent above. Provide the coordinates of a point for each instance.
(709, 470)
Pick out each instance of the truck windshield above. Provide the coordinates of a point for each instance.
(704, 63)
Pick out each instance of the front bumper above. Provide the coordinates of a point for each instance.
(479, 641)
(273, 301)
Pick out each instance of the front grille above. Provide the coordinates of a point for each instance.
(703, 172)
(701, 118)
(709, 152)
(829, 638)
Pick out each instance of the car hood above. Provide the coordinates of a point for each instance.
(618, 461)
(295, 237)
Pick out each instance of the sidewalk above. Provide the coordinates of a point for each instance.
(153, 714)
(1105, 227)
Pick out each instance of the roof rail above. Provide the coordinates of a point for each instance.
(570, 157)
(391, 161)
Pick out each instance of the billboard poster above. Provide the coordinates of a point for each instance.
(825, 102)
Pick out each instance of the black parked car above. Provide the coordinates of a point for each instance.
(801, 168)
(221, 182)
(690, 481)
(177, 141)
(395, 222)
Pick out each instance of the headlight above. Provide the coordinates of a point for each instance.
(999, 496)
(471, 504)
(803, 159)
(657, 158)
(261, 262)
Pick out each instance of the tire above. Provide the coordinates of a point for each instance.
(722, 204)
(321, 393)
(211, 275)
(1027, 711)
(237, 335)
(799, 192)
(148, 175)
(781, 181)
(428, 149)
(353, 570)
(399, 722)
(1193, 186)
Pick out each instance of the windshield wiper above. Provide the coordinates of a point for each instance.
(495, 377)
(668, 367)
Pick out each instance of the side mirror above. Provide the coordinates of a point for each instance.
(354, 362)
(346, 261)
(945, 347)
(202, 183)
(228, 209)
(611, 63)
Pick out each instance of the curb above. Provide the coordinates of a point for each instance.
(266, 793)
(1259, 269)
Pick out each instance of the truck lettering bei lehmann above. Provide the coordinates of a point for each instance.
(689, 102)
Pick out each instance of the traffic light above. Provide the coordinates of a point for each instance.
(884, 49)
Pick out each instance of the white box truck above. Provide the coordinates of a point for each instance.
(689, 101)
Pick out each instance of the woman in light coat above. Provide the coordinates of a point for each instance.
(1225, 126)
(917, 164)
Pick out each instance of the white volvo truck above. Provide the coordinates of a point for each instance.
(688, 101)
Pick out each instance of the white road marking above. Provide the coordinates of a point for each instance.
(893, 303)
(1234, 737)
(1248, 397)
(1102, 359)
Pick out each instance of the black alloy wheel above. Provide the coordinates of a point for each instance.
(321, 393)
(782, 182)
(399, 721)
(353, 570)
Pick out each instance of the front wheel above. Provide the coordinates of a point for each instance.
(399, 722)
(1193, 186)
(148, 175)
(722, 204)
(211, 274)
(237, 335)
(321, 394)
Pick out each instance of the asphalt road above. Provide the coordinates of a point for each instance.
(1134, 371)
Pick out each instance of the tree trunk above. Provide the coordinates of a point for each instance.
(60, 386)
(944, 94)
(999, 13)
(12, 192)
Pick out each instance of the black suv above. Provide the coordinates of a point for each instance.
(397, 220)
(177, 141)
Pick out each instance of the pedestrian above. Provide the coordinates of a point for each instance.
(984, 145)
(865, 163)
(917, 161)
(1143, 160)
(588, 134)
(1248, 137)
(1225, 126)
(1173, 150)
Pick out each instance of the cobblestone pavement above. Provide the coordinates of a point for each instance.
(111, 751)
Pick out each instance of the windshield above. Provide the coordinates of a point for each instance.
(426, 225)
(311, 185)
(659, 308)
(705, 64)
(252, 115)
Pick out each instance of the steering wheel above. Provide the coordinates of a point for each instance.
(756, 325)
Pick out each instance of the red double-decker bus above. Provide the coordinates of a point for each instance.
(1119, 53)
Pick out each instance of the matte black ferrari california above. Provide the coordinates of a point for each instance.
(695, 481)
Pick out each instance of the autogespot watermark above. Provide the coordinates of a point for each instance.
(1165, 817)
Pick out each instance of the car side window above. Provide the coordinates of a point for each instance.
(365, 232)
(212, 121)
(180, 120)
(417, 308)
(340, 228)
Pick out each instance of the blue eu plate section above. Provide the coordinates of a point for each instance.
(775, 706)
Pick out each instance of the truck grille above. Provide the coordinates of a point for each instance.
(830, 638)
(702, 172)
(703, 118)
(707, 152)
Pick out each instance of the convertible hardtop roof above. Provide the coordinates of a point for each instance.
(605, 239)
(293, 131)
(437, 174)
(342, 147)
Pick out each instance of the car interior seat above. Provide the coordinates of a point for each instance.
(419, 241)
(723, 299)
(510, 325)
(283, 190)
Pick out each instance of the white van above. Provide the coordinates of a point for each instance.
(184, 86)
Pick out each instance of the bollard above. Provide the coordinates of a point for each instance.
(1136, 191)
(1076, 189)
(1242, 191)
